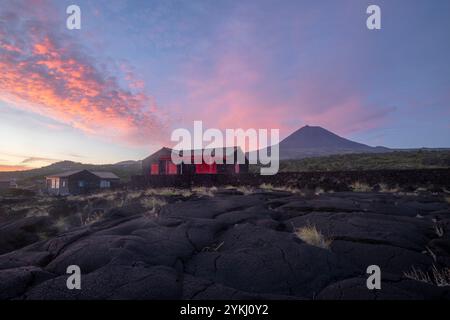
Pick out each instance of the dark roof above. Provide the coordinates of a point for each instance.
(105, 174)
(64, 174)
(156, 155)
(225, 150)
(100, 174)
(167, 152)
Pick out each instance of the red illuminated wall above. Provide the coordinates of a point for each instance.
(171, 168)
(154, 169)
(205, 168)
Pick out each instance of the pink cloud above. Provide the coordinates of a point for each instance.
(240, 92)
(243, 81)
(40, 72)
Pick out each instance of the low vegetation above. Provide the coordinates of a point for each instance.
(314, 237)
(169, 192)
(439, 230)
(438, 277)
(421, 159)
(360, 187)
(204, 191)
(31, 177)
(269, 187)
(65, 213)
(153, 204)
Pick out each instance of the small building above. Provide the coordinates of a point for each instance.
(8, 184)
(107, 179)
(80, 181)
(160, 163)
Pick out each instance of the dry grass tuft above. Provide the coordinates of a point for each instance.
(61, 224)
(439, 230)
(438, 277)
(314, 237)
(358, 186)
(153, 204)
(319, 191)
(245, 190)
(132, 195)
(384, 187)
(204, 191)
(106, 194)
(37, 211)
(266, 186)
(43, 236)
(167, 192)
(93, 218)
(270, 187)
(214, 248)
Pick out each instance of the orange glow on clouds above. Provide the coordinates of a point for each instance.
(7, 168)
(47, 78)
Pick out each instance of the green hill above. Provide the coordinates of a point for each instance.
(123, 169)
(418, 159)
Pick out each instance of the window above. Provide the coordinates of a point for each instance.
(105, 184)
(154, 169)
(52, 183)
(205, 168)
(81, 184)
(171, 168)
(63, 183)
(56, 183)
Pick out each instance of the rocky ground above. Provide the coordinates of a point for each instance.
(226, 244)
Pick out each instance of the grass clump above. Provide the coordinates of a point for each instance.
(93, 217)
(245, 190)
(313, 237)
(439, 230)
(153, 204)
(62, 224)
(358, 186)
(384, 187)
(266, 186)
(437, 277)
(168, 192)
(204, 191)
(132, 195)
(270, 187)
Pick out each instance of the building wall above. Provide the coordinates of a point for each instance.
(75, 184)
(63, 186)
(4, 184)
(79, 183)
(109, 183)
(162, 167)
(156, 164)
(57, 186)
(83, 182)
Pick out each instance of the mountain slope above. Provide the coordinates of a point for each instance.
(313, 141)
(123, 169)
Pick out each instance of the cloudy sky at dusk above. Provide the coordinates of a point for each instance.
(115, 89)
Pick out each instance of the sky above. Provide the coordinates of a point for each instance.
(136, 70)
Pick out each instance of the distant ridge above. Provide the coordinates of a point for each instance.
(123, 169)
(315, 141)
